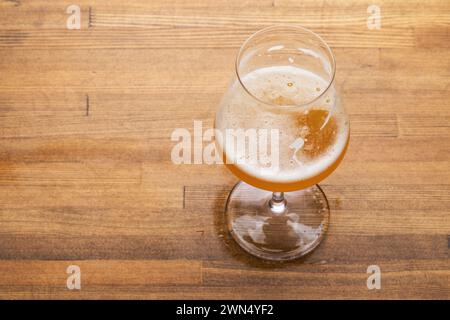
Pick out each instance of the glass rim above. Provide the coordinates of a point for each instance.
(296, 28)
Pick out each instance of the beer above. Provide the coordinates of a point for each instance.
(313, 128)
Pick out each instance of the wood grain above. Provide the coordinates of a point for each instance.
(86, 177)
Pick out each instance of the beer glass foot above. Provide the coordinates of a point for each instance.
(277, 226)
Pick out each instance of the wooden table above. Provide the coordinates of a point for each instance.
(86, 177)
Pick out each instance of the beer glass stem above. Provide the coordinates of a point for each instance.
(278, 203)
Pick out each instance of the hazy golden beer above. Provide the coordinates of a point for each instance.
(312, 138)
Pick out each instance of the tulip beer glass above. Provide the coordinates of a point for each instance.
(283, 130)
